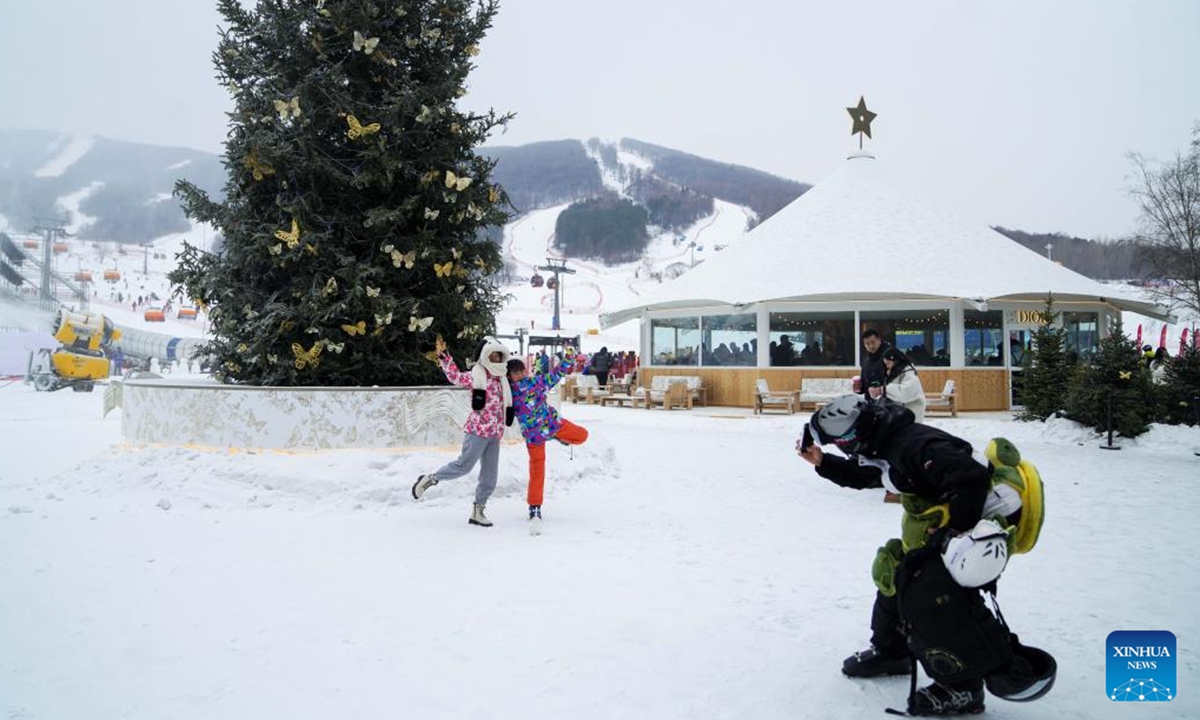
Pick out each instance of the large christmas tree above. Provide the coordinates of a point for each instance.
(354, 212)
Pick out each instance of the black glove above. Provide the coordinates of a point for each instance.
(478, 399)
(509, 415)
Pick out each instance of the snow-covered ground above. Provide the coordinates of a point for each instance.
(692, 567)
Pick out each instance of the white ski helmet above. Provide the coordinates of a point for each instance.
(976, 558)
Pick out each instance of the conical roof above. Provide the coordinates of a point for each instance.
(855, 236)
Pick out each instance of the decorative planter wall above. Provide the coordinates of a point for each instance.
(207, 413)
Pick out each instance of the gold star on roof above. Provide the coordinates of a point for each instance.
(862, 119)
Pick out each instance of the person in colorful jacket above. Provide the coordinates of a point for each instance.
(539, 423)
(491, 411)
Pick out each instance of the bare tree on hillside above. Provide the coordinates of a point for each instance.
(1169, 237)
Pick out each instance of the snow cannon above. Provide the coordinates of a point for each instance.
(81, 360)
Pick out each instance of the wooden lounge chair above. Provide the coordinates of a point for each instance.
(766, 398)
(943, 402)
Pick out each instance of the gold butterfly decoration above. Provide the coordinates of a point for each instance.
(310, 249)
(472, 50)
(372, 292)
(1126, 374)
(287, 108)
(431, 35)
(432, 214)
(468, 304)
(416, 324)
(360, 328)
(429, 177)
(455, 182)
(406, 259)
(456, 253)
(276, 249)
(292, 237)
(258, 168)
(443, 270)
(367, 45)
(425, 115)
(383, 319)
(493, 194)
(479, 263)
(358, 130)
(330, 287)
(272, 358)
(309, 357)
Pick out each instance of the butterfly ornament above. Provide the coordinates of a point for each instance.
(454, 182)
(358, 130)
(364, 44)
(291, 237)
(288, 108)
(307, 357)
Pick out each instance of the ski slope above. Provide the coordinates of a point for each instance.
(596, 288)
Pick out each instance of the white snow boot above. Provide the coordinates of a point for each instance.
(535, 519)
(478, 518)
(422, 484)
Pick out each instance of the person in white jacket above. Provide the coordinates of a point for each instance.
(903, 385)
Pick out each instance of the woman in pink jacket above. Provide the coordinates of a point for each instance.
(491, 411)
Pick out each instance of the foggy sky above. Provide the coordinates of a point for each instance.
(1017, 113)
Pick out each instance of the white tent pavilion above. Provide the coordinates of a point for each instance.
(856, 252)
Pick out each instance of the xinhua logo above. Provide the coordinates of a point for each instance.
(1141, 666)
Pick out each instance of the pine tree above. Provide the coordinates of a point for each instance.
(1048, 374)
(1116, 367)
(355, 208)
(1181, 386)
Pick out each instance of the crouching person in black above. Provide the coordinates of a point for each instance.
(944, 491)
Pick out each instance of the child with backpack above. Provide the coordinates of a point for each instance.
(539, 423)
(491, 411)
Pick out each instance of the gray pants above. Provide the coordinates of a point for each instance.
(475, 449)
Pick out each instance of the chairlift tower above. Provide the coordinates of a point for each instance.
(51, 229)
(558, 267)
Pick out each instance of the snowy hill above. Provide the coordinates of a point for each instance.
(106, 189)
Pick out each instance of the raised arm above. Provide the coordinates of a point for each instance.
(453, 374)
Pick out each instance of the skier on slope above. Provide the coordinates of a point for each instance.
(947, 495)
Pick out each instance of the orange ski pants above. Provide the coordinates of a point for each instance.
(569, 433)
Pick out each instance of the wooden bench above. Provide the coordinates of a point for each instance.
(942, 403)
(823, 390)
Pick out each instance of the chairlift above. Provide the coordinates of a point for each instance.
(552, 283)
(60, 248)
(155, 314)
(536, 281)
(112, 275)
(83, 276)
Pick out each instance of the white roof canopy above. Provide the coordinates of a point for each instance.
(855, 237)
